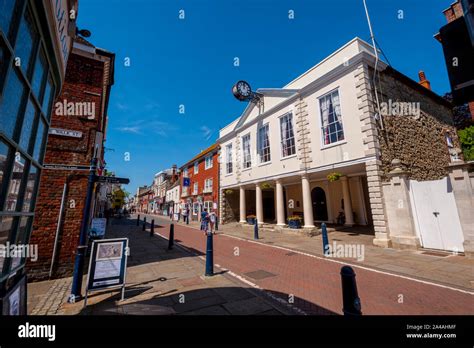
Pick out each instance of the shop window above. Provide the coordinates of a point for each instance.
(3, 164)
(26, 42)
(195, 208)
(10, 103)
(38, 75)
(21, 239)
(48, 98)
(6, 15)
(208, 206)
(27, 127)
(30, 189)
(15, 182)
(6, 225)
(40, 135)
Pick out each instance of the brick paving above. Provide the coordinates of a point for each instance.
(159, 281)
(314, 282)
(447, 268)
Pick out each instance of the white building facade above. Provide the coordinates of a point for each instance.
(277, 156)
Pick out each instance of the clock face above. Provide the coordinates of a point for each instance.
(243, 88)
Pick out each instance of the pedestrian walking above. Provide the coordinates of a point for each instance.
(171, 213)
(204, 220)
(212, 222)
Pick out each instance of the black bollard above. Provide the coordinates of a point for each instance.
(138, 220)
(171, 239)
(350, 297)
(217, 224)
(255, 230)
(324, 232)
(144, 223)
(152, 228)
(209, 256)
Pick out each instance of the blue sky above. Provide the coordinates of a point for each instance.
(190, 62)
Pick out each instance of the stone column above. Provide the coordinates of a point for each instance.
(259, 203)
(347, 202)
(462, 181)
(243, 210)
(398, 208)
(280, 204)
(307, 203)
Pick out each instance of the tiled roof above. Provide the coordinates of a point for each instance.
(201, 154)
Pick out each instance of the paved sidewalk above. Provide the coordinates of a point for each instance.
(314, 283)
(443, 268)
(159, 282)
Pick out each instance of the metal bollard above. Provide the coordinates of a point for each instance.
(350, 297)
(209, 256)
(324, 233)
(187, 219)
(144, 223)
(171, 238)
(138, 220)
(152, 228)
(255, 230)
(217, 224)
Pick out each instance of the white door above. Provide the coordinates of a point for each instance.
(436, 215)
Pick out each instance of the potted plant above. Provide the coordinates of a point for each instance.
(294, 222)
(251, 219)
(334, 176)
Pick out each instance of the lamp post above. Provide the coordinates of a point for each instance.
(82, 247)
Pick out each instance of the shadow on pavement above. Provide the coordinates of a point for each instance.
(207, 301)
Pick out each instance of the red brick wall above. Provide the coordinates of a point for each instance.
(200, 178)
(84, 78)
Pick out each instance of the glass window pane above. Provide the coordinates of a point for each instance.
(27, 126)
(3, 162)
(6, 223)
(3, 64)
(48, 98)
(27, 37)
(38, 75)
(6, 12)
(40, 135)
(21, 239)
(15, 182)
(10, 103)
(30, 189)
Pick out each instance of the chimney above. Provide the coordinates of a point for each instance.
(423, 81)
(174, 175)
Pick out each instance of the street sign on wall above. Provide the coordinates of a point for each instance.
(186, 182)
(65, 167)
(112, 180)
(65, 132)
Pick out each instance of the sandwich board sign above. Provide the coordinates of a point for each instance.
(107, 265)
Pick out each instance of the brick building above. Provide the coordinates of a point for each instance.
(77, 134)
(458, 44)
(203, 174)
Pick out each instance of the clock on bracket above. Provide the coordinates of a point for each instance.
(242, 91)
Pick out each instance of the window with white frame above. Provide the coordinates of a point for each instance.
(331, 118)
(264, 144)
(288, 147)
(208, 185)
(208, 206)
(195, 188)
(185, 173)
(195, 208)
(208, 162)
(247, 157)
(228, 161)
(196, 167)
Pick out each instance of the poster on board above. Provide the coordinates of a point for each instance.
(107, 265)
